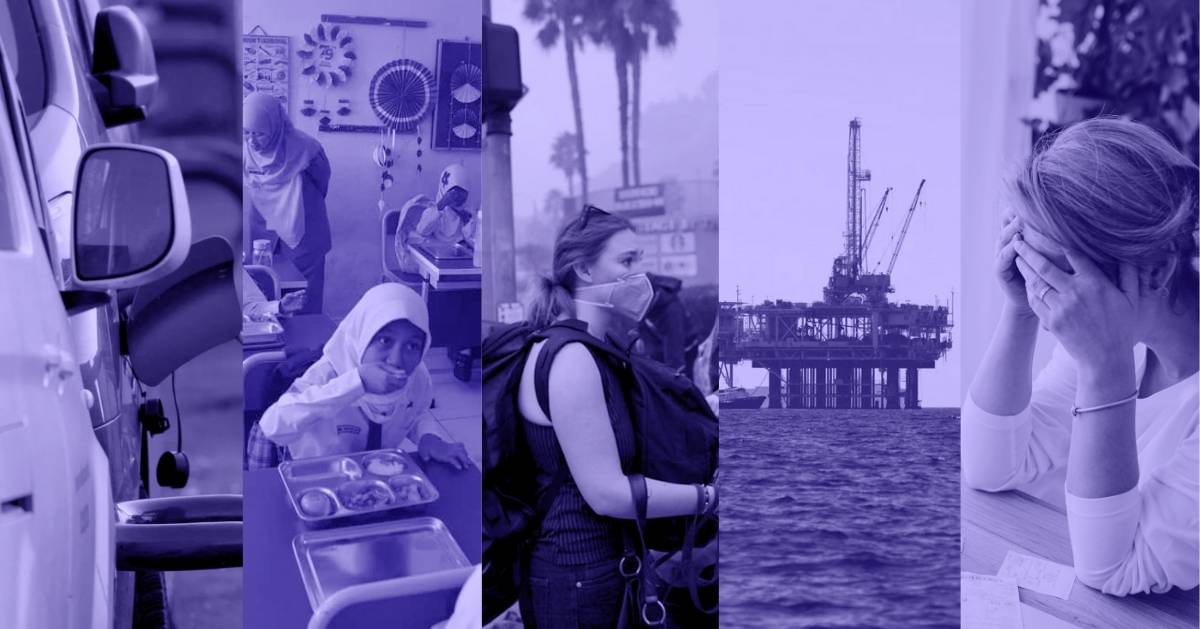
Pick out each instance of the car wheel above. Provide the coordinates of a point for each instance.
(150, 601)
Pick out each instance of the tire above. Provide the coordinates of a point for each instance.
(150, 609)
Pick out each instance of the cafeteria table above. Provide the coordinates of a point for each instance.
(273, 592)
(453, 291)
(302, 331)
(994, 523)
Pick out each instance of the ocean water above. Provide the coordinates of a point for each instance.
(839, 518)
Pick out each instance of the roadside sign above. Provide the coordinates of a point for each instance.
(645, 200)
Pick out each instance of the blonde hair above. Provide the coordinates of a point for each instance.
(580, 242)
(1116, 191)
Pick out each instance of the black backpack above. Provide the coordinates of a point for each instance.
(675, 432)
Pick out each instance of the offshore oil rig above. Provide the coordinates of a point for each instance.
(853, 349)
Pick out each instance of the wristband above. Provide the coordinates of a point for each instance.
(1076, 411)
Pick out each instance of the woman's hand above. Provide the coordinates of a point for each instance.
(1091, 317)
(433, 448)
(380, 379)
(1010, 278)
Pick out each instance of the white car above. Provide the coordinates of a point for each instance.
(63, 538)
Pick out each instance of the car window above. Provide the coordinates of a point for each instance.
(19, 31)
(82, 20)
(13, 193)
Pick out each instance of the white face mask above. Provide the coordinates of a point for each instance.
(630, 296)
(383, 407)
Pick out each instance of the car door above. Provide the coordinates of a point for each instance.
(54, 520)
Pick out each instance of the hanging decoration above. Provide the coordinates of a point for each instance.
(401, 94)
(328, 55)
(457, 119)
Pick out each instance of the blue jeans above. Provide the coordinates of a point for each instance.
(566, 597)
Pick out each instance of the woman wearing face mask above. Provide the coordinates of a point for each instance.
(368, 390)
(1099, 252)
(573, 579)
(285, 177)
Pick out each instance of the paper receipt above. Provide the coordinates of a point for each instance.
(989, 602)
(1039, 575)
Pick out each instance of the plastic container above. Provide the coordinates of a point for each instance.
(262, 253)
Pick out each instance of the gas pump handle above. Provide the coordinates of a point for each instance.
(180, 533)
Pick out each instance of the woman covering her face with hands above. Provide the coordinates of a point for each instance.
(369, 378)
(1098, 251)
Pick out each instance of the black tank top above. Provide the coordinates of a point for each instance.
(572, 533)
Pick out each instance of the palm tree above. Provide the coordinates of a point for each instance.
(563, 157)
(565, 18)
(645, 16)
(609, 25)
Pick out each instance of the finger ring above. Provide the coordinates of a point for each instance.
(1042, 293)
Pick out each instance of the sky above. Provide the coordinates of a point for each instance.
(546, 110)
(784, 114)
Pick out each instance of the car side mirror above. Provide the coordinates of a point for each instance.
(124, 74)
(131, 219)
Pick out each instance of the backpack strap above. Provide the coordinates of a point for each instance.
(558, 336)
(641, 587)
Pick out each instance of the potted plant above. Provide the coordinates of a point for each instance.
(1133, 58)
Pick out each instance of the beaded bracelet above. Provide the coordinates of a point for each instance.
(1076, 411)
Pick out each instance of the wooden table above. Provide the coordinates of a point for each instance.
(993, 524)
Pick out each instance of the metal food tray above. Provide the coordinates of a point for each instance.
(261, 332)
(336, 559)
(336, 481)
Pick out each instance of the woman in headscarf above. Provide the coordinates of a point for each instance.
(285, 177)
(444, 219)
(369, 389)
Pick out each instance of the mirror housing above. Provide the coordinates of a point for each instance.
(124, 74)
(131, 222)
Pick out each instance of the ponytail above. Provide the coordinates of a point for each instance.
(550, 301)
(580, 243)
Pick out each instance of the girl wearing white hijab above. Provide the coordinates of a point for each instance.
(370, 372)
(285, 177)
(445, 219)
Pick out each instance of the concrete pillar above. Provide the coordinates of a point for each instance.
(499, 253)
(911, 393)
(845, 386)
(892, 388)
(822, 393)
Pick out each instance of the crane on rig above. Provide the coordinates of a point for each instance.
(904, 230)
(879, 211)
(853, 348)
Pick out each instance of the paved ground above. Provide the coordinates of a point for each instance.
(210, 399)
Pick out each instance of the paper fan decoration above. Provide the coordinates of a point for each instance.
(466, 83)
(464, 124)
(328, 55)
(401, 94)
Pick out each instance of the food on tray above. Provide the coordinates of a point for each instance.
(316, 503)
(385, 464)
(408, 489)
(362, 496)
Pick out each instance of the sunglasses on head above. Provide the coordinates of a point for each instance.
(586, 214)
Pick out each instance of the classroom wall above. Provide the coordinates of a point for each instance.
(355, 264)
